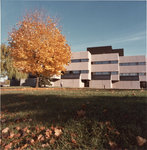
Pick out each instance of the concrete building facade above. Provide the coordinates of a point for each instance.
(104, 68)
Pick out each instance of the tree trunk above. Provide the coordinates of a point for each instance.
(37, 82)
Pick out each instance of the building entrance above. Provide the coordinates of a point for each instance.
(86, 83)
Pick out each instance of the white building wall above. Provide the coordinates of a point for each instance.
(126, 85)
(124, 59)
(104, 57)
(132, 69)
(104, 67)
(74, 83)
(102, 84)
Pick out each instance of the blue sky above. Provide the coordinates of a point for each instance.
(121, 24)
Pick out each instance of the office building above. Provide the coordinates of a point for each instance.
(104, 68)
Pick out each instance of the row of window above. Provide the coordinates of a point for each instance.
(121, 74)
(105, 62)
(133, 74)
(109, 62)
(121, 64)
(132, 63)
(105, 73)
(79, 60)
(77, 71)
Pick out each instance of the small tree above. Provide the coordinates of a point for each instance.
(7, 68)
(38, 47)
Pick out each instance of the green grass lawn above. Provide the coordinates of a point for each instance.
(65, 119)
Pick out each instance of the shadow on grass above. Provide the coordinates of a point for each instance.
(59, 109)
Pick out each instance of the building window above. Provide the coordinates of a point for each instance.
(76, 72)
(114, 62)
(106, 73)
(114, 73)
(79, 71)
(75, 60)
(105, 62)
(84, 71)
(142, 73)
(128, 74)
(133, 74)
(132, 63)
(101, 73)
(141, 63)
(84, 60)
(79, 60)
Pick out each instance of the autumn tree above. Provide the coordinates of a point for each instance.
(7, 68)
(38, 46)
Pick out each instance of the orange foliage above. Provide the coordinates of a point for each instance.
(38, 47)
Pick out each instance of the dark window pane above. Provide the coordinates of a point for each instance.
(114, 72)
(75, 60)
(114, 62)
(76, 72)
(105, 62)
(84, 60)
(84, 71)
(142, 73)
(128, 74)
(101, 73)
(141, 63)
(132, 63)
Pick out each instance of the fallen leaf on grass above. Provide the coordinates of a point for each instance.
(107, 123)
(32, 141)
(18, 128)
(11, 135)
(45, 145)
(112, 144)
(81, 113)
(52, 127)
(52, 141)
(17, 135)
(140, 140)
(38, 129)
(40, 137)
(8, 146)
(117, 133)
(48, 133)
(42, 128)
(5, 130)
(23, 147)
(33, 135)
(73, 141)
(26, 130)
(58, 132)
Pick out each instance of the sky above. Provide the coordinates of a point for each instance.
(120, 24)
